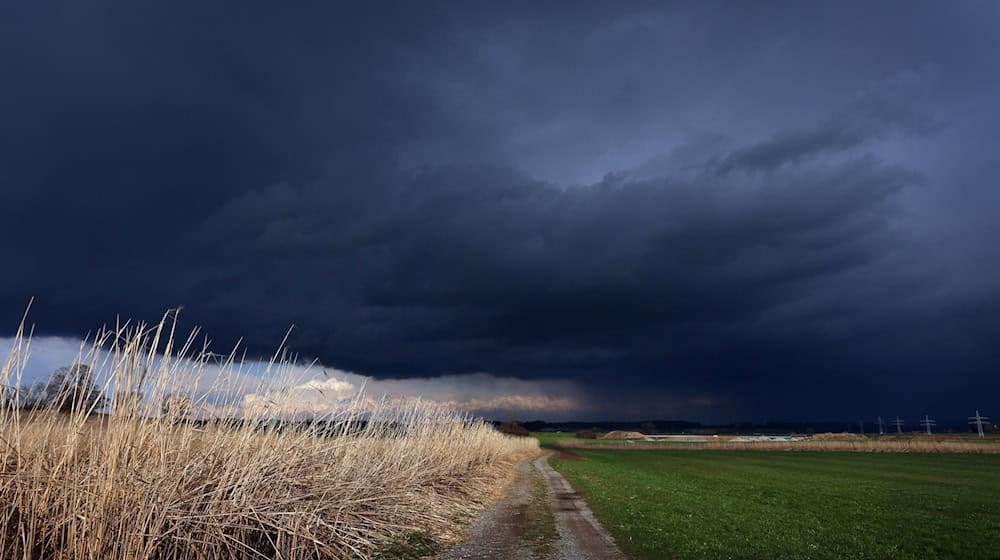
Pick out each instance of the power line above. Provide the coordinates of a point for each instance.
(927, 423)
(978, 420)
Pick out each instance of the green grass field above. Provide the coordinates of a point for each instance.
(778, 505)
(549, 439)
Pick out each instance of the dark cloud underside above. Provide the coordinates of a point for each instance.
(768, 210)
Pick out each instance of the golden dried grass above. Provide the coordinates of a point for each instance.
(131, 484)
(620, 435)
(838, 436)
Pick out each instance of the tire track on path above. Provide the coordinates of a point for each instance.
(542, 518)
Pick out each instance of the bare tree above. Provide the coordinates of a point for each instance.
(176, 407)
(8, 396)
(68, 388)
(127, 400)
(34, 395)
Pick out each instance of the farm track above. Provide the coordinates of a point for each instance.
(542, 518)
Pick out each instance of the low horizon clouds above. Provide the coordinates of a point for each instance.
(315, 391)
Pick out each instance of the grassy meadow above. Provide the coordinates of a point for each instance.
(689, 505)
(907, 443)
(552, 439)
(215, 479)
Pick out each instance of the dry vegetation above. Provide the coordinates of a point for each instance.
(624, 435)
(134, 484)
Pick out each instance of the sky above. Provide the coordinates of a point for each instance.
(627, 210)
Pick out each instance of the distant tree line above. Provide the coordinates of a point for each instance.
(513, 428)
(75, 388)
(67, 388)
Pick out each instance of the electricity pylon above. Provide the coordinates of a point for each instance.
(978, 421)
(899, 425)
(927, 423)
(881, 430)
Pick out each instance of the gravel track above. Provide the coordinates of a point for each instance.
(542, 518)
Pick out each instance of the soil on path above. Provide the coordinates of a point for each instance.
(542, 518)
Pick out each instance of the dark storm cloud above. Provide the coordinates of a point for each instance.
(686, 209)
(892, 106)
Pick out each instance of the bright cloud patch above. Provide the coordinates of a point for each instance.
(480, 393)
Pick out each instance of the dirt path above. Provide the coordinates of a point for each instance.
(541, 519)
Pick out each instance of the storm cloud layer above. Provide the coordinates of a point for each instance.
(774, 210)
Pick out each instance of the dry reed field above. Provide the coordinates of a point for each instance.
(223, 476)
